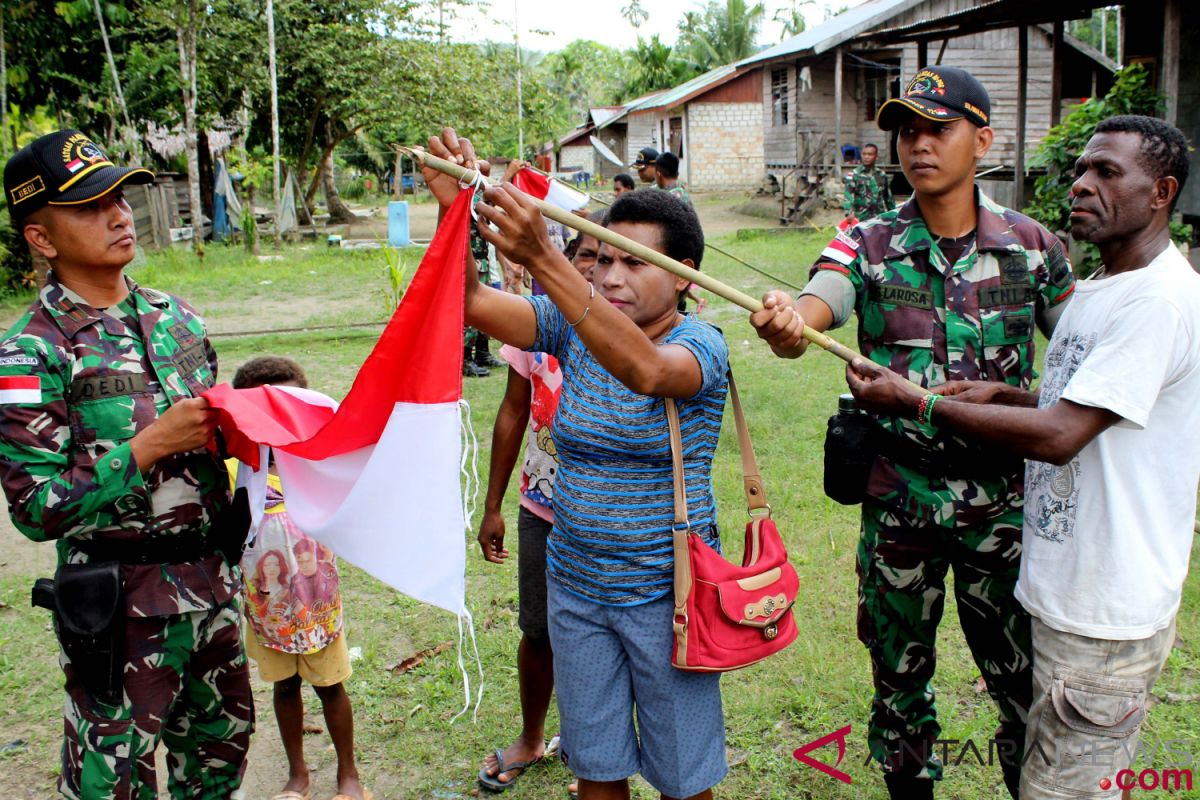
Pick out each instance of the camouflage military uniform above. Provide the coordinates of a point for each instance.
(868, 193)
(680, 191)
(932, 322)
(69, 475)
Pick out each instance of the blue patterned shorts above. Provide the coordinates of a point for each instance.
(611, 662)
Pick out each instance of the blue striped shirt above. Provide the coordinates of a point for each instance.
(613, 500)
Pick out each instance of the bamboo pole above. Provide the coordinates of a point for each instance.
(707, 245)
(633, 248)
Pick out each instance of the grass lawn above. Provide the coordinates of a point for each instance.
(407, 746)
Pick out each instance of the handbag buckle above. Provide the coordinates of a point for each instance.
(681, 613)
(770, 632)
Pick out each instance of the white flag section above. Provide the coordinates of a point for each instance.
(379, 507)
(552, 191)
(376, 479)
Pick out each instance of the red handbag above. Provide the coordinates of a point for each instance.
(728, 617)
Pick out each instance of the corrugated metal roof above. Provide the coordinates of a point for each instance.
(602, 115)
(675, 95)
(841, 28)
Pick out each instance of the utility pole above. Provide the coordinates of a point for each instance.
(274, 117)
(520, 103)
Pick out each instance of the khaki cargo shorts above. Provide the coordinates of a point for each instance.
(1089, 701)
(328, 666)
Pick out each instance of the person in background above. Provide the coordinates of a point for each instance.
(868, 190)
(644, 164)
(667, 177)
(623, 182)
(297, 633)
(530, 400)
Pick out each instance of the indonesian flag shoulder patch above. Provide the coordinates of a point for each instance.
(20, 389)
(843, 249)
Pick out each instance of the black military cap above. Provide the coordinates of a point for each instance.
(63, 168)
(942, 94)
(647, 156)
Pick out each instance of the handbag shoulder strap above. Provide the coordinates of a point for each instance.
(752, 484)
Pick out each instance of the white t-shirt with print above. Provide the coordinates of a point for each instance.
(1108, 535)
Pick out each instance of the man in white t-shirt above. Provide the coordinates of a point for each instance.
(1113, 442)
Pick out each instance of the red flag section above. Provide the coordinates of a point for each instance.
(537, 185)
(418, 359)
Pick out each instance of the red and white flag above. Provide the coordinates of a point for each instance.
(545, 188)
(376, 479)
(20, 389)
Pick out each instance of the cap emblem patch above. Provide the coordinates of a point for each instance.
(926, 82)
(79, 152)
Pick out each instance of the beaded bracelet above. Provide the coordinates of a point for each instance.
(925, 409)
(587, 308)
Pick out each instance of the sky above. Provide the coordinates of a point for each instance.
(549, 25)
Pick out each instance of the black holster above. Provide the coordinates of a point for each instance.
(850, 450)
(89, 615)
(231, 527)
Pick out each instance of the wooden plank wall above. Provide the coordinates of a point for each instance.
(779, 141)
(155, 212)
(992, 58)
(641, 132)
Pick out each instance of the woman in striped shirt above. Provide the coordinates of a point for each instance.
(622, 347)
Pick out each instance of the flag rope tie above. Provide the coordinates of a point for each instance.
(478, 184)
(470, 452)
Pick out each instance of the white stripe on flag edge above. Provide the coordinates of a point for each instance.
(839, 256)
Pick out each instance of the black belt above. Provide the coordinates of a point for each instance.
(176, 549)
(955, 463)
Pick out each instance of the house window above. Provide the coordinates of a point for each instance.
(779, 96)
(881, 82)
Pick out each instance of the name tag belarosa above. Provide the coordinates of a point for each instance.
(98, 387)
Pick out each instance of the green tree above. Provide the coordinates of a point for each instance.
(635, 14)
(792, 18)
(721, 33)
(655, 66)
(585, 74)
(43, 43)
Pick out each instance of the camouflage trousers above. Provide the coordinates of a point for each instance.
(902, 565)
(187, 684)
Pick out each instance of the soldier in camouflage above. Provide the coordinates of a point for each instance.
(948, 287)
(868, 188)
(103, 438)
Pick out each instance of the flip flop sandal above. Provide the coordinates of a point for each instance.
(492, 783)
(290, 795)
